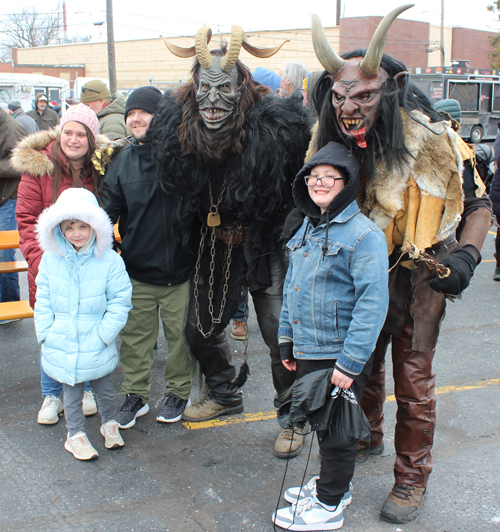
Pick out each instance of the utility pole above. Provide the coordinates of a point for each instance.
(442, 34)
(338, 12)
(111, 47)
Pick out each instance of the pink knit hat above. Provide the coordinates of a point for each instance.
(83, 114)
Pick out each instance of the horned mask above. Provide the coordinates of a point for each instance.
(357, 82)
(218, 91)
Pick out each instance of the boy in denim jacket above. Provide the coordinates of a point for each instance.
(335, 300)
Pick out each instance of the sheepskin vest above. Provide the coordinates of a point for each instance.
(421, 202)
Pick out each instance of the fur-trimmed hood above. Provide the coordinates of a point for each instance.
(74, 204)
(33, 155)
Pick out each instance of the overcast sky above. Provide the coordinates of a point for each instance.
(149, 18)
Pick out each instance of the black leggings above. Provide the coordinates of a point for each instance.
(337, 464)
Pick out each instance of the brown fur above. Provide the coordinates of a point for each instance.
(436, 166)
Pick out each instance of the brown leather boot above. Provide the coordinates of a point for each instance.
(403, 503)
(289, 442)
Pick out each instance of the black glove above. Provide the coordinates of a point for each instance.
(462, 265)
(286, 351)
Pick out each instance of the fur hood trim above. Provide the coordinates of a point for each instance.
(30, 155)
(74, 204)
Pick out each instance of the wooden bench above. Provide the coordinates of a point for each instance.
(13, 310)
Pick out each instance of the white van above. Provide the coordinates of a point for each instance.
(26, 87)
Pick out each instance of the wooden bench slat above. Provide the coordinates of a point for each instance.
(12, 267)
(14, 310)
(9, 239)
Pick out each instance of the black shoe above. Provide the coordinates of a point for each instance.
(132, 408)
(173, 408)
(496, 275)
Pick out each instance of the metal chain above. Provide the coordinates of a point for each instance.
(225, 288)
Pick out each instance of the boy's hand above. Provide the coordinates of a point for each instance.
(340, 380)
(290, 365)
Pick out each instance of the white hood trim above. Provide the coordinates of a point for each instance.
(83, 210)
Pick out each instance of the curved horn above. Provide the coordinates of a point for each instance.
(229, 60)
(326, 55)
(201, 45)
(261, 52)
(178, 51)
(371, 62)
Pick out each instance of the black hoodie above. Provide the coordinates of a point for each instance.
(345, 162)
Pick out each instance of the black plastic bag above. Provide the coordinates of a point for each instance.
(335, 413)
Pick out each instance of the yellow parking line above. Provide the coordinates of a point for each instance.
(448, 389)
(263, 416)
(489, 260)
(492, 233)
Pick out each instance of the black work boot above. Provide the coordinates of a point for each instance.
(496, 275)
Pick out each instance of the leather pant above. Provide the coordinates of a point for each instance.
(416, 401)
(213, 353)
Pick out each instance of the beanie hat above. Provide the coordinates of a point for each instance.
(83, 114)
(94, 91)
(146, 98)
(14, 105)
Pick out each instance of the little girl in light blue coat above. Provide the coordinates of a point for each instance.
(82, 303)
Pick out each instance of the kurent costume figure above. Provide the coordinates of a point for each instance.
(227, 154)
(412, 187)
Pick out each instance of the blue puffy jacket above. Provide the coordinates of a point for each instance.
(83, 298)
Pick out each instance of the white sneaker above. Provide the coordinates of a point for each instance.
(112, 437)
(80, 447)
(51, 408)
(309, 490)
(89, 404)
(309, 514)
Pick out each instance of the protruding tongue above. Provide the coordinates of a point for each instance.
(359, 135)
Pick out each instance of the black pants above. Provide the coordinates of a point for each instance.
(338, 463)
(213, 353)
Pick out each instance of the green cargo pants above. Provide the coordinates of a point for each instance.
(141, 332)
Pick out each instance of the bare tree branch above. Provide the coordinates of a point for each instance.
(29, 28)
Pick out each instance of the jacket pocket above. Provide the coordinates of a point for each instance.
(332, 318)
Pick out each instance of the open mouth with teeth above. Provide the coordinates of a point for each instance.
(212, 114)
(351, 124)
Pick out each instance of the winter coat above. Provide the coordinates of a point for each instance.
(26, 121)
(495, 182)
(11, 132)
(33, 158)
(111, 122)
(45, 121)
(335, 295)
(132, 192)
(83, 298)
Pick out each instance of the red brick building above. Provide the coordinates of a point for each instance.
(412, 41)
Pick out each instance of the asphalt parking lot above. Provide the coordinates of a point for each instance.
(222, 476)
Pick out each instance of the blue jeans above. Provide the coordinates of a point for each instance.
(239, 315)
(9, 282)
(52, 387)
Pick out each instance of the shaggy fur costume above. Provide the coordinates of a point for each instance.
(435, 166)
(258, 184)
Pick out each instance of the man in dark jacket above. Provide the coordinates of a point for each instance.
(42, 114)
(11, 132)
(158, 266)
(17, 112)
(495, 199)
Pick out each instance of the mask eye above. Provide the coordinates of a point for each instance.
(337, 98)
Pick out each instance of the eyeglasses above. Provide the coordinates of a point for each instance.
(90, 90)
(326, 181)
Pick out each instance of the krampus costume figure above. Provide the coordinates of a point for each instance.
(414, 187)
(227, 153)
